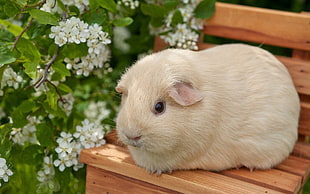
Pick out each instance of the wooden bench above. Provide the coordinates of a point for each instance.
(110, 168)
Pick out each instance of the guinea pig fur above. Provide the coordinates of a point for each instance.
(225, 107)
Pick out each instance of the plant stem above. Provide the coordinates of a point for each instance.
(46, 68)
(21, 34)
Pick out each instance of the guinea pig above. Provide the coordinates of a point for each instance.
(225, 107)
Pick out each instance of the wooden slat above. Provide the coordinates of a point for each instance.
(300, 72)
(304, 120)
(117, 160)
(260, 25)
(273, 178)
(296, 165)
(302, 150)
(102, 181)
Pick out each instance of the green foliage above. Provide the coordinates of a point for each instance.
(55, 77)
(205, 9)
(43, 17)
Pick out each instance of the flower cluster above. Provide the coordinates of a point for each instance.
(10, 78)
(5, 172)
(132, 4)
(68, 151)
(76, 31)
(26, 134)
(69, 146)
(184, 35)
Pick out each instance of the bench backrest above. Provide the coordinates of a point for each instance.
(270, 27)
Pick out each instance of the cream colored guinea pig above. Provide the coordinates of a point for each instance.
(229, 106)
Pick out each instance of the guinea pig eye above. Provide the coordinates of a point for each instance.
(159, 107)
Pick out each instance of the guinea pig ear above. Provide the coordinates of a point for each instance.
(120, 89)
(184, 94)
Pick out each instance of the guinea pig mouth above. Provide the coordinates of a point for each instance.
(133, 141)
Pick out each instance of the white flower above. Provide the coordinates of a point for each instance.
(50, 6)
(90, 134)
(63, 149)
(5, 172)
(10, 78)
(103, 37)
(61, 163)
(48, 167)
(26, 134)
(64, 137)
(48, 171)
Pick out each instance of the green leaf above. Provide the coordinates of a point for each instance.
(28, 50)
(11, 9)
(107, 4)
(44, 134)
(72, 51)
(31, 69)
(153, 10)
(19, 118)
(157, 22)
(52, 98)
(21, 2)
(74, 11)
(30, 153)
(5, 142)
(205, 9)
(176, 18)
(43, 17)
(64, 87)
(16, 30)
(6, 36)
(20, 114)
(57, 113)
(26, 106)
(61, 69)
(2, 68)
(170, 4)
(97, 16)
(123, 21)
(6, 55)
(61, 5)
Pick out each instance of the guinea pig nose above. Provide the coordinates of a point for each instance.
(135, 138)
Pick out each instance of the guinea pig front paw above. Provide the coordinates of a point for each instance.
(159, 172)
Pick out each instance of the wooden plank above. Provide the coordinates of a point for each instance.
(304, 119)
(279, 28)
(296, 165)
(117, 160)
(102, 181)
(300, 72)
(273, 179)
(302, 149)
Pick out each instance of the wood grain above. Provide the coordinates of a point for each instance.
(102, 181)
(279, 28)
